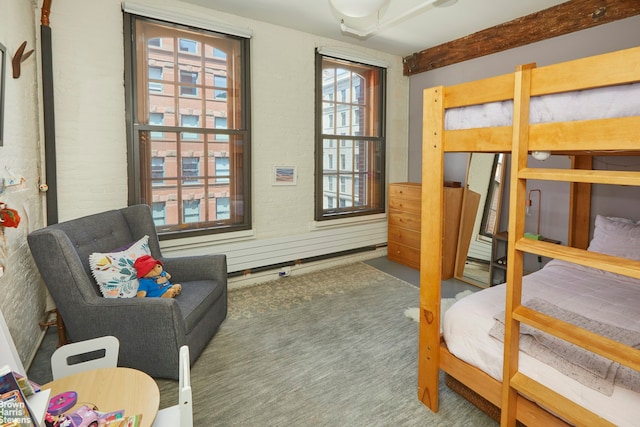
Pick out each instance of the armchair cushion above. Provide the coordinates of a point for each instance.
(114, 271)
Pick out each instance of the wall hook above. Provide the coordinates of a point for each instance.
(19, 58)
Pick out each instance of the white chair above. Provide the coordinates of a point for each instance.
(82, 356)
(180, 415)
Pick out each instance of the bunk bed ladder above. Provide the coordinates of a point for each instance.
(516, 385)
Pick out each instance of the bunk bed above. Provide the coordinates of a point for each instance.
(520, 396)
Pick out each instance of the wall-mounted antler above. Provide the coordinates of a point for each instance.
(19, 58)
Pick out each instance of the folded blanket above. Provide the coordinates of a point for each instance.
(586, 367)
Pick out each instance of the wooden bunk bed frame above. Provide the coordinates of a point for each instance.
(581, 140)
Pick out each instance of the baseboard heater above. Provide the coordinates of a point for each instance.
(304, 260)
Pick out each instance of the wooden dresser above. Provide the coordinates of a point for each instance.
(403, 241)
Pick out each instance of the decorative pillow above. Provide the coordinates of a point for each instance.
(114, 271)
(612, 236)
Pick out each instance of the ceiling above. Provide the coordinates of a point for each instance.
(406, 33)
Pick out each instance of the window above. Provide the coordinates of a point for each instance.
(222, 170)
(221, 123)
(360, 130)
(156, 119)
(190, 46)
(190, 170)
(158, 210)
(191, 211)
(219, 54)
(221, 83)
(222, 207)
(179, 170)
(189, 121)
(190, 79)
(157, 170)
(155, 73)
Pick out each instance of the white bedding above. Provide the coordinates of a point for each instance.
(593, 293)
(600, 103)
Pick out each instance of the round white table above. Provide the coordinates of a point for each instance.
(112, 389)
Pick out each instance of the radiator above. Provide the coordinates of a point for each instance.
(257, 253)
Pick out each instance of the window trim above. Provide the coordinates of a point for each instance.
(134, 168)
(337, 212)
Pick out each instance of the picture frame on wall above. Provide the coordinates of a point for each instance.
(284, 175)
(3, 53)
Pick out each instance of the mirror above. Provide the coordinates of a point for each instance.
(480, 217)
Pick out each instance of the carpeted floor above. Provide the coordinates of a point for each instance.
(330, 348)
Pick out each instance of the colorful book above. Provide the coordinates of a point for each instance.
(130, 421)
(14, 411)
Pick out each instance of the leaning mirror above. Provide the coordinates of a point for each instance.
(482, 201)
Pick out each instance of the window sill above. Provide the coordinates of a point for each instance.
(346, 222)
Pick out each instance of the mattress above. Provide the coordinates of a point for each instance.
(599, 103)
(607, 297)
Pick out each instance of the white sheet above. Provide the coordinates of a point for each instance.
(600, 103)
(603, 296)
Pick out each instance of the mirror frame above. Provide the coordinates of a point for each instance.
(470, 203)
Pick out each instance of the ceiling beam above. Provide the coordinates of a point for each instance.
(565, 18)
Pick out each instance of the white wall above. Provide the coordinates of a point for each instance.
(22, 295)
(88, 61)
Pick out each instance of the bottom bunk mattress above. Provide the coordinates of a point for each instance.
(594, 299)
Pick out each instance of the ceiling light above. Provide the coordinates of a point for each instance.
(357, 8)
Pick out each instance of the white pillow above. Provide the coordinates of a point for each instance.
(114, 271)
(612, 236)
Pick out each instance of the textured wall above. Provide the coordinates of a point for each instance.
(22, 295)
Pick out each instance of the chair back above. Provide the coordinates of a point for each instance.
(180, 415)
(101, 352)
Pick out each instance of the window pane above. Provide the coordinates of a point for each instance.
(222, 170)
(159, 212)
(158, 120)
(191, 80)
(190, 170)
(190, 46)
(191, 211)
(189, 121)
(222, 208)
(155, 73)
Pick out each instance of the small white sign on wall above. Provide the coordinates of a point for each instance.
(284, 175)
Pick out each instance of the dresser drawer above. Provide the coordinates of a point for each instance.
(405, 191)
(407, 205)
(404, 236)
(404, 219)
(403, 254)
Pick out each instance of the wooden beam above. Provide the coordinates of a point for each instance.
(565, 18)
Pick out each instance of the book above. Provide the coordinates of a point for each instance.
(130, 421)
(14, 410)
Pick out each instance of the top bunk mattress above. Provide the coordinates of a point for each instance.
(600, 103)
(606, 297)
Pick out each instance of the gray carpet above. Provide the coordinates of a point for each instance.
(330, 348)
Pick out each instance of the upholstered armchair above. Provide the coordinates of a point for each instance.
(150, 330)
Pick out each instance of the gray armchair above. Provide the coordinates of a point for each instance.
(151, 330)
